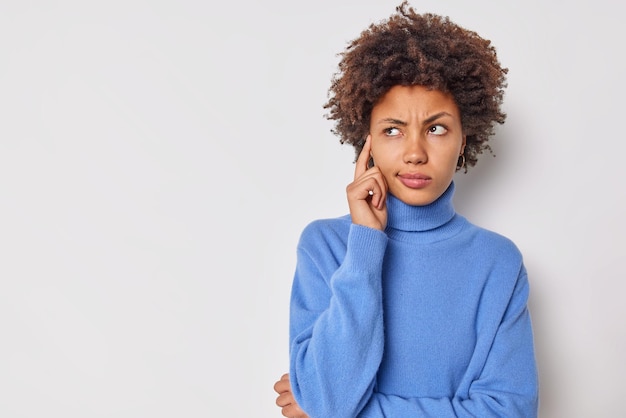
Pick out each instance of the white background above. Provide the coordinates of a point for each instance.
(158, 161)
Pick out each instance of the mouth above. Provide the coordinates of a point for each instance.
(415, 180)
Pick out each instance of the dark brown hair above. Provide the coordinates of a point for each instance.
(425, 49)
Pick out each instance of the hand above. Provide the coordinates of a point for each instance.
(285, 399)
(367, 194)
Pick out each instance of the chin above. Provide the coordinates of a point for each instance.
(422, 200)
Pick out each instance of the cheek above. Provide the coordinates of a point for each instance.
(384, 160)
(387, 150)
(448, 161)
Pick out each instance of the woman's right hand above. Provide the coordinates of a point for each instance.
(367, 194)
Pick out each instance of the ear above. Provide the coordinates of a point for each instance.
(463, 144)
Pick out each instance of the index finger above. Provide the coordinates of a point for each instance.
(364, 157)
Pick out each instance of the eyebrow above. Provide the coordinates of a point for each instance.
(428, 120)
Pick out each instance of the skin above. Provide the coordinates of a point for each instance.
(286, 400)
(415, 140)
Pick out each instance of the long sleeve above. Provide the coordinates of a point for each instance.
(336, 322)
(506, 386)
(426, 319)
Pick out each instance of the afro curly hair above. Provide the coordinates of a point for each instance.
(418, 49)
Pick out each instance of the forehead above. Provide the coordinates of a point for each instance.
(415, 99)
(415, 96)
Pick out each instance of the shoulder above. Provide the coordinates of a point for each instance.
(327, 231)
(494, 243)
(497, 259)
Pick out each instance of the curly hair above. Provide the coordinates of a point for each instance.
(424, 49)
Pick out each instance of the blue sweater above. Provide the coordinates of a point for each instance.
(426, 319)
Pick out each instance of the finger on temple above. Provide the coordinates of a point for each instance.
(361, 165)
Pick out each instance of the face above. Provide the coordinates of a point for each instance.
(417, 139)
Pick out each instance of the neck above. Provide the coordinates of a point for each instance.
(405, 217)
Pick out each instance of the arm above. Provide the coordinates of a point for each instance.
(336, 323)
(504, 386)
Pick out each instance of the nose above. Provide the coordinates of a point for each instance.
(415, 150)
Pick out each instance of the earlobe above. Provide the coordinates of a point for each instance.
(460, 163)
(461, 159)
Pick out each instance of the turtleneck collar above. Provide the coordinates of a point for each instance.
(403, 217)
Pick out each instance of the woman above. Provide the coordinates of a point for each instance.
(403, 308)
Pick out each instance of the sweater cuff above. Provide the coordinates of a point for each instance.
(366, 248)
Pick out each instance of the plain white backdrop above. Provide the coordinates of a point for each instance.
(158, 160)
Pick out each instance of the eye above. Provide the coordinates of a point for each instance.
(437, 130)
(392, 131)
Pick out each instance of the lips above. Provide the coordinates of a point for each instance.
(415, 180)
